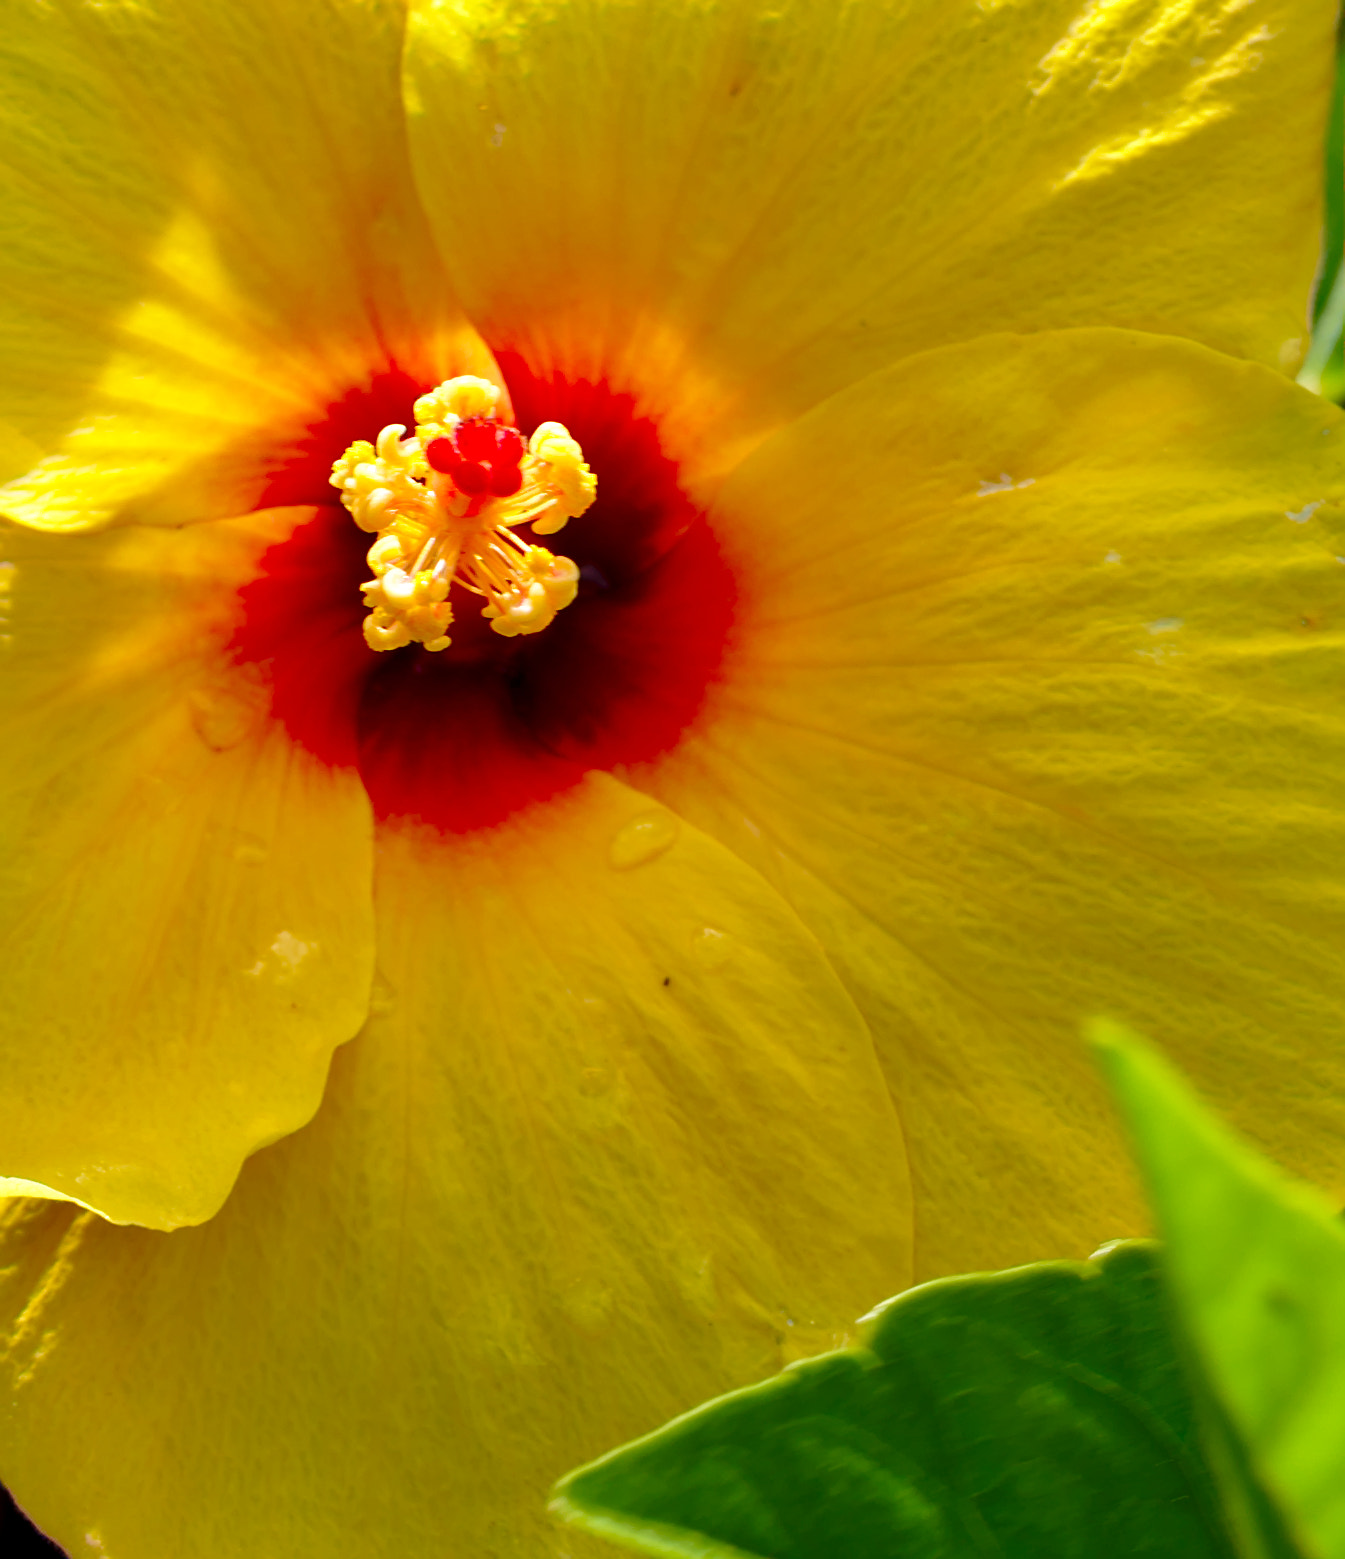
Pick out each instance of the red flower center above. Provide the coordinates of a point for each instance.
(464, 737)
(481, 456)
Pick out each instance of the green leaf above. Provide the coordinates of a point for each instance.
(1324, 368)
(1333, 215)
(1033, 1414)
(1256, 1263)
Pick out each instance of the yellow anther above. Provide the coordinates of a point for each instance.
(446, 514)
(456, 399)
(385, 553)
(556, 465)
(378, 482)
(544, 584)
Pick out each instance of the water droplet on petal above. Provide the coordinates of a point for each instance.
(221, 717)
(8, 571)
(290, 952)
(382, 997)
(598, 1017)
(642, 839)
(1001, 484)
(589, 1303)
(595, 1081)
(711, 948)
(280, 961)
(250, 851)
(1303, 515)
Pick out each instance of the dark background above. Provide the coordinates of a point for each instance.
(19, 1538)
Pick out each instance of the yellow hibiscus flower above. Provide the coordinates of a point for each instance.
(955, 652)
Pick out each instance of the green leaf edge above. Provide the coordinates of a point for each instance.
(666, 1541)
(1264, 1512)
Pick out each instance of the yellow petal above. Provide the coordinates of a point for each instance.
(213, 235)
(186, 923)
(739, 207)
(615, 1141)
(1038, 714)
